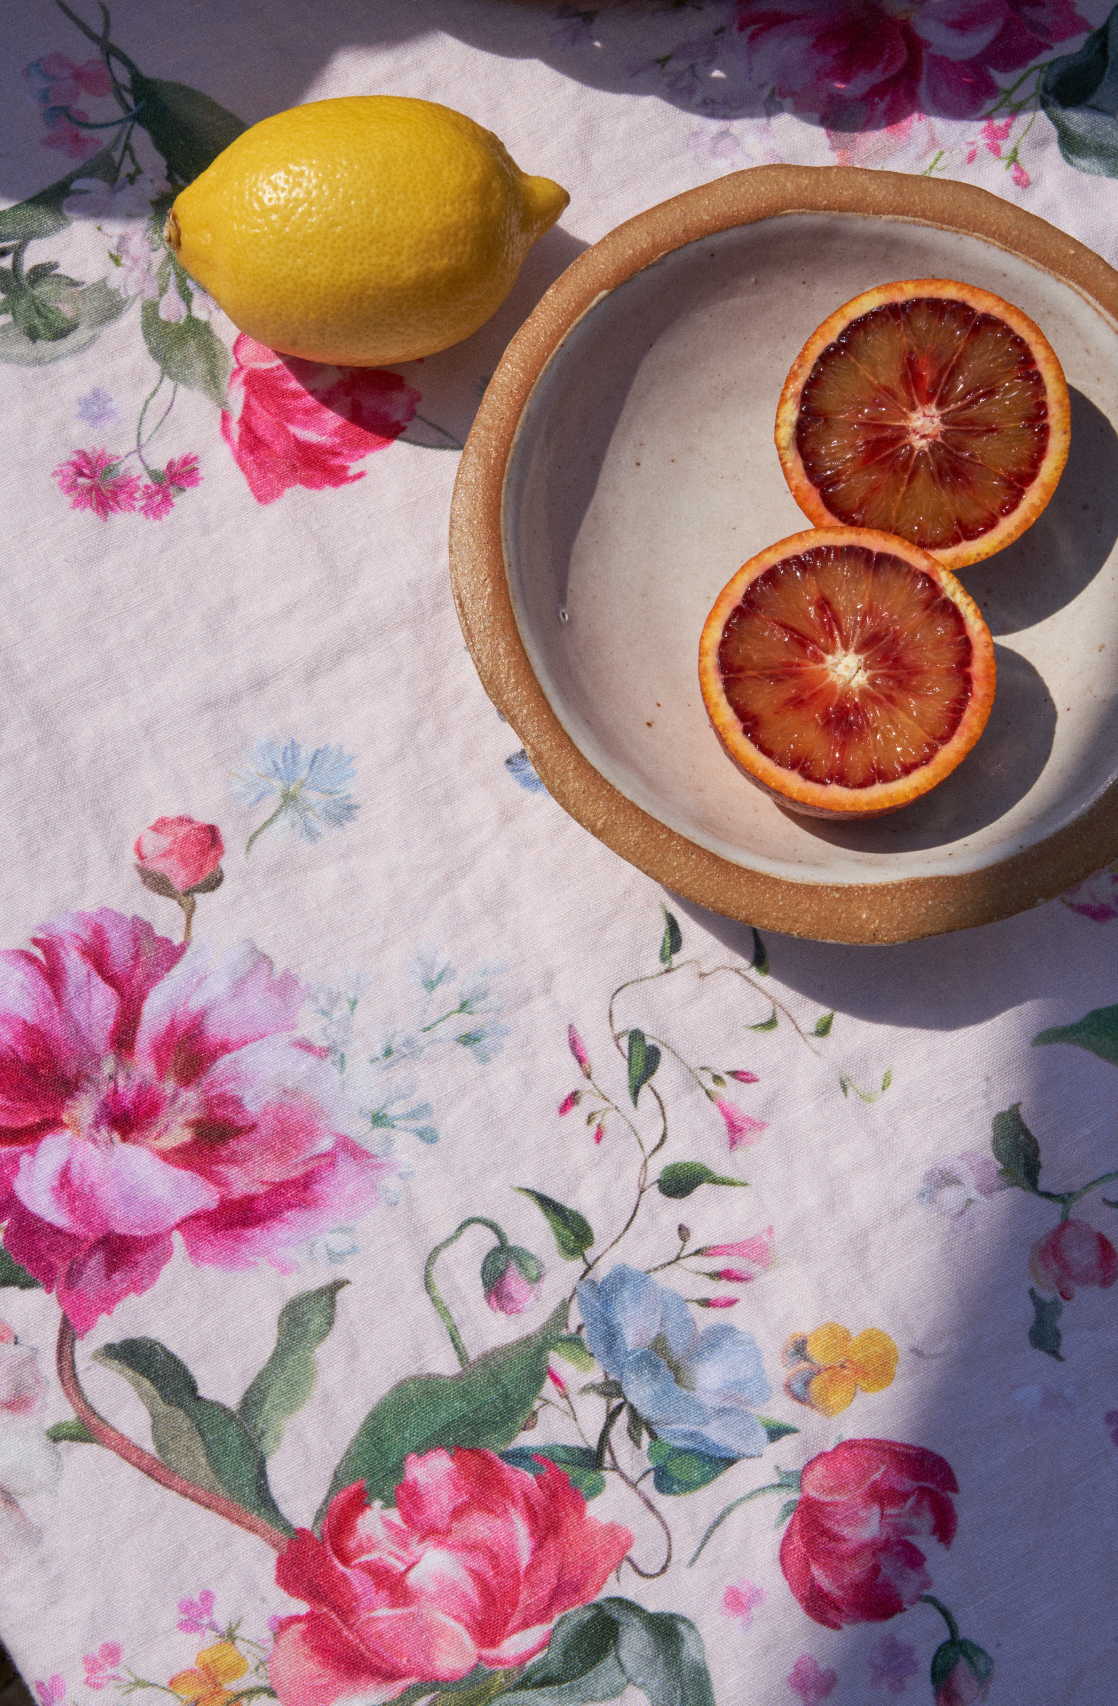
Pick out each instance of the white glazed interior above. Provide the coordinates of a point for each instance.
(644, 474)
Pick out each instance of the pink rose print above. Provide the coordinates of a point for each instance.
(92, 479)
(1073, 1254)
(300, 423)
(741, 1129)
(810, 1681)
(472, 1567)
(848, 1553)
(869, 64)
(741, 1600)
(144, 1090)
(181, 849)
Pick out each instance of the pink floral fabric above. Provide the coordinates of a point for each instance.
(299, 423)
(146, 1089)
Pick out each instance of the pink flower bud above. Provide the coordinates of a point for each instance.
(716, 1302)
(578, 1049)
(511, 1278)
(599, 1132)
(757, 1251)
(1073, 1254)
(1019, 175)
(181, 850)
(570, 1102)
(744, 1077)
(733, 1276)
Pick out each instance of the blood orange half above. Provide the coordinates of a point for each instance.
(928, 408)
(846, 672)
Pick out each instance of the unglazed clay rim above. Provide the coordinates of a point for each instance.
(836, 912)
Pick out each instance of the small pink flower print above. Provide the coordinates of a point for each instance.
(1097, 897)
(182, 471)
(147, 1089)
(91, 480)
(570, 1102)
(51, 1691)
(474, 1565)
(1073, 1254)
(196, 1615)
(100, 1666)
(891, 1664)
(181, 849)
(1019, 175)
(744, 1077)
(578, 1049)
(810, 1681)
(301, 423)
(156, 501)
(741, 1129)
(994, 134)
(754, 1254)
(741, 1600)
(867, 64)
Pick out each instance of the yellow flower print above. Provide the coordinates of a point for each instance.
(205, 1685)
(827, 1367)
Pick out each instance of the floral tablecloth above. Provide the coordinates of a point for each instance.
(436, 1261)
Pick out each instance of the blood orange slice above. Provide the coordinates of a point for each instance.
(928, 408)
(846, 671)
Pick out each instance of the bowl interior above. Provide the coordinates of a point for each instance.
(643, 474)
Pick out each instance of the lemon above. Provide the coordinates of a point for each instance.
(363, 230)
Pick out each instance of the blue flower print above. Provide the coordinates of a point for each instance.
(310, 788)
(696, 1388)
(521, 769)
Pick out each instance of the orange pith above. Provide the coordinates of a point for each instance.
(846, 671)
(930, 409)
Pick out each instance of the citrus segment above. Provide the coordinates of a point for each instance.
(930, 409)
(846, 671)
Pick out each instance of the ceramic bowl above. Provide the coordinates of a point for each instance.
(622, 467)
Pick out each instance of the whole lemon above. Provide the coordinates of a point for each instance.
(362, 230)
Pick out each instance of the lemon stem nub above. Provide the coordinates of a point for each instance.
(172, 236)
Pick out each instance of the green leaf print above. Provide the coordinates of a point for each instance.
(578, 1462)
(484, 1406)
(189, 128)
(1097, 1032)
(573, 1233)
(1044, 1334)
(682, 1177)
(287, 1379)
(644, 1058)
(1079, 93)
(671, 942)
(676, 1471)
(205, 1442)
(596, 1651)
(12, 1274)
(579, 1665)
(1016, 1150)
(188, 352)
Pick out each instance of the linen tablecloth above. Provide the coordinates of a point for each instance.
(645, 1302)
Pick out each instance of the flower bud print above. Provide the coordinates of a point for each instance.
(511, 1278)
(1073, 1254)
(181, 850)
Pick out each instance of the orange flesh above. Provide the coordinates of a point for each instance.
(924, 418)
(846, 665)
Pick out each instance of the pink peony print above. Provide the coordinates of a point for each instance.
(870, 64)
(849, 1552)
(741, 1129)
(146, 1089)
(1097, 897)
(91, 479)
(300, 423)
(472, 1567)
(810, 1681)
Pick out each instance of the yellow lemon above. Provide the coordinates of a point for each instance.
(363, 230)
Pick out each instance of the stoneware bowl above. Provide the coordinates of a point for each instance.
(622, 467)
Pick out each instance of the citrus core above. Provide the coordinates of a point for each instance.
(362, 230)
(930, 409)
(846, 672)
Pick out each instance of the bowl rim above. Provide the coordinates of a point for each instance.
(853, 913)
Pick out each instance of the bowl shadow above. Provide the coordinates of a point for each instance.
(1068, 545)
